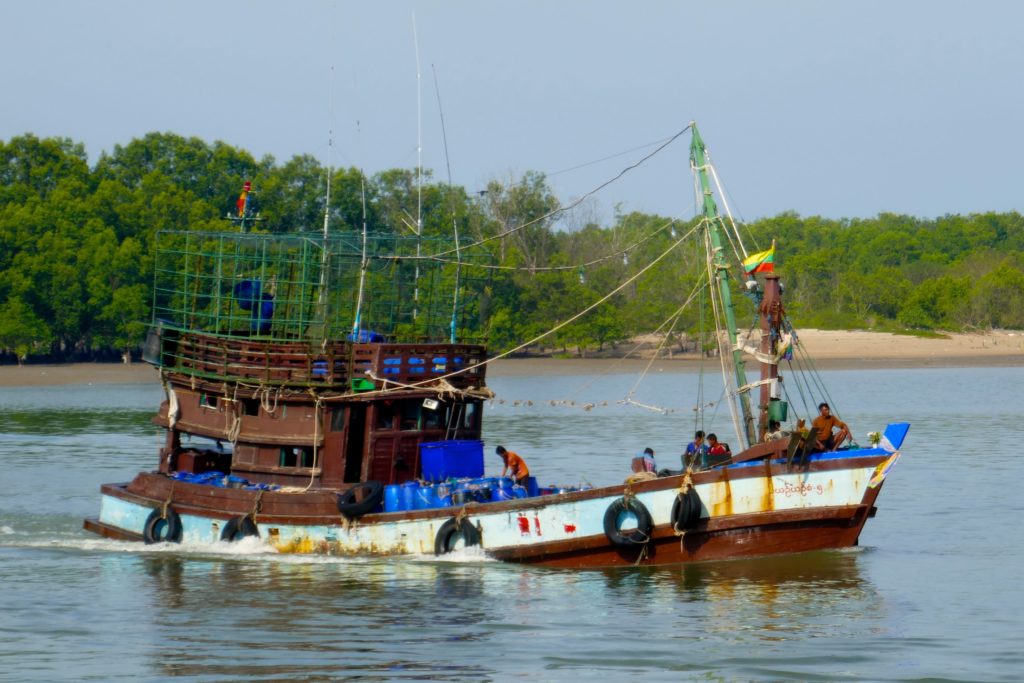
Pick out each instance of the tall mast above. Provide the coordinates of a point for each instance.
(698, 158)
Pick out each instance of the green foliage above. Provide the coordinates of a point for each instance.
(77, 244)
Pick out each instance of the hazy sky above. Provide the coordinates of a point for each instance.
(843, 109)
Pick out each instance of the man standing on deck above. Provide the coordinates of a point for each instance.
(823, 426)
(514, 465)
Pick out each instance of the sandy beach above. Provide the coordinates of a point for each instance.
(829, 349)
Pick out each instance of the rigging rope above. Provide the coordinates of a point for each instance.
(588, 309)
(562, 209)
(674, 318)
(722, 335)
(576, 266)
(608, 158)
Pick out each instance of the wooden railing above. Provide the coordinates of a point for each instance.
(337, 364)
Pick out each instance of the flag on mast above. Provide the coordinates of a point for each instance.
(761, 262)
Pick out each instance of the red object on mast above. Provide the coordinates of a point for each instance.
(244, 197)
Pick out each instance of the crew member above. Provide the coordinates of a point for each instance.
(696, 452)
(644, 462)
(514, 465)
(823, 426)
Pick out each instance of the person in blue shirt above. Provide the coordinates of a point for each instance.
(696, 452)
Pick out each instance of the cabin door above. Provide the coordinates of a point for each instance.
(355, 442)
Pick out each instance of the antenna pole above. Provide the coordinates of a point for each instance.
(357, 322)
(324, 260)
(455, 222)
(419, 172)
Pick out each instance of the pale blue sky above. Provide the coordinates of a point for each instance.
(843, 109)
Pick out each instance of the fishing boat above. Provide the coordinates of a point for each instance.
(318, 399)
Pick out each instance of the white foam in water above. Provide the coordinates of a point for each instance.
(246, 548)
(251, 547)
(471, 555)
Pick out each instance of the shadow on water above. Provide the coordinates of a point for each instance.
(774, 598)
(837, 570)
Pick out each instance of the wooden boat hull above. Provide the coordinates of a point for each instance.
(747, 510)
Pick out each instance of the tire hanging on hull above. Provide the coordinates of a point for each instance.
(615, 515)
(453, 531)
(361, 499)
(686, 510)
(238, 528)
(162, 526)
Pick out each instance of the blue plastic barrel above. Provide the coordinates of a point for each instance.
(531, 486)
(499, 494)
(425, 498)
(409, 490)
(393, 498)
(502, 489)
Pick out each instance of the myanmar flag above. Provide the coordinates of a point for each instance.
(761, 262)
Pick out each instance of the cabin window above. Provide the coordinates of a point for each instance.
(207, 401)
(436, 418)
(410, 416)
(251, 406)
(296, 456)
(385, 416)
(470, 416)
(338, 419)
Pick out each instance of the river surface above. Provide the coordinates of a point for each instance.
(934, 592)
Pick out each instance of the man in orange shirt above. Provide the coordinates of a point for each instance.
(515, 465)
(823, 426)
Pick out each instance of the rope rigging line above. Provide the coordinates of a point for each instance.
(674, 319)
(722, 335)
(698, 417)
(697, 188)
(725, 205)
(607, 158)
(562, 209)
(815, 376)
(576, 266)
(569, 400)
(316, 441)
(577, 316)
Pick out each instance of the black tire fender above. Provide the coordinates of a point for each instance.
(613, 523)
(361, 499)
(451, 532)
(162, 527)
(238, 528)
(686, 510)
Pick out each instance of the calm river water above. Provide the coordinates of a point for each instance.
(934, 592)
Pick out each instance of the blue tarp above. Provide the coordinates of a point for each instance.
(221, 480)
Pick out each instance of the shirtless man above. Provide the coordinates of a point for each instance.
(823, 426)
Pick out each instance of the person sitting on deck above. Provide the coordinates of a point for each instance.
(696, 452)
(774, 432)
(823, 426)
(644, 462)
(514, 465)
(717, 450)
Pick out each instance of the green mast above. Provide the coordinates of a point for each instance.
(698, 157)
